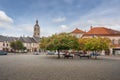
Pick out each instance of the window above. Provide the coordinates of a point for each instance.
(7, 44)
(3, 44)
(113, 41)
(119, 41)
(35, 29)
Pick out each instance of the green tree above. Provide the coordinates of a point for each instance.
(43, 42)
(94, 44)
(13, 45)
(17, 45)
(62, 41)
(97, 44)
(82, 42)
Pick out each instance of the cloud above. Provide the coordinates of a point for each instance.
(24, 29)
(64, 27)
(18, 30)
(59, 19)
(106, 15)
(5, 18)
(45, 33)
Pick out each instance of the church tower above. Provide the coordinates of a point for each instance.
(36, 30)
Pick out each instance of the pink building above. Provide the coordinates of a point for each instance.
(113, 35)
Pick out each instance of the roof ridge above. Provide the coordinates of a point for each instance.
(102, 31)
(78, 31)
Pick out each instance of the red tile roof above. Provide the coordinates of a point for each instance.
(76, 31)
(102, 31)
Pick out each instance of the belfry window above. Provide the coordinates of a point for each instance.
(34, 28)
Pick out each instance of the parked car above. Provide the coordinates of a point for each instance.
(50, 53)
(3, 52)
(36, 53)
(61, 53)
(95, 54)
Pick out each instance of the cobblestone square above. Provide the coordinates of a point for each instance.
(45, 67)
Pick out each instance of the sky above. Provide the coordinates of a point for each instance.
(18, 17)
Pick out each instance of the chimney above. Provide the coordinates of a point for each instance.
(91, 27)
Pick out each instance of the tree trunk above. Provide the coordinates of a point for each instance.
(95, 54)
(58, 54)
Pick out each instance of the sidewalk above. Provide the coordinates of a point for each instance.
(30, 53)
(116, 57)
(20, 54)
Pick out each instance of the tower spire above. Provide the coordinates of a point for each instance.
(36, 21)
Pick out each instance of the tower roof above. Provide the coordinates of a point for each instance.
(36, 21)
(36, 25)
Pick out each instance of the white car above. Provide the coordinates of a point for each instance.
(61, 53)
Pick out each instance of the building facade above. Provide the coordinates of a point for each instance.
(31, 43)
(113, 35)
(5, 42)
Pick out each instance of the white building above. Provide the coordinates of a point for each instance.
(77, 32)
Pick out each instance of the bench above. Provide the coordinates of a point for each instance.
(84, 55)
(67, 56)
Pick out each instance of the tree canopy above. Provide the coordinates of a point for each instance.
(62, 41)
(17, 45)
(65, 41)
(94, 44)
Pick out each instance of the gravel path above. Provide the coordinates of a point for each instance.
(42, 67)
